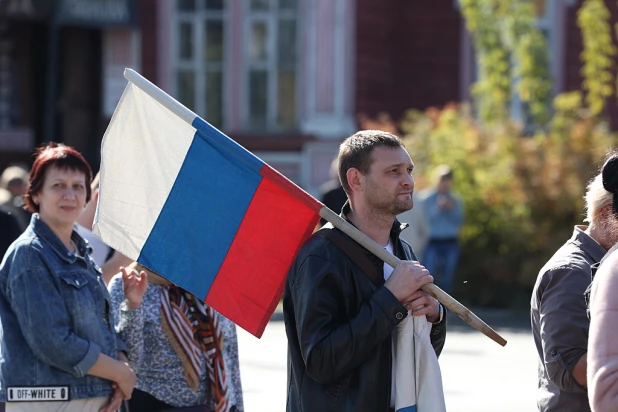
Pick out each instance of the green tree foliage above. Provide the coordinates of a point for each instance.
(492, 91)
(509, 48)
(512, 50)
(529, 51)
(598, 53)
(522, 196)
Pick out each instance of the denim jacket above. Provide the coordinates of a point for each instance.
(55, 315)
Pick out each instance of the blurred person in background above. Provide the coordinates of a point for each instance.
(602, 355)
(13, 182)
(15, 179)
(9, 229)
(13, 219)
(331, 192)
(100, 251)
(560, 323)
(5, 196)
(199, 372)
(444, 212)
(55, 312)
(109, 260)
(417, 233)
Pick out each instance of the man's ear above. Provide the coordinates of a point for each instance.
(355, 179)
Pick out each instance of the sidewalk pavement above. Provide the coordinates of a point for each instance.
(478, 374)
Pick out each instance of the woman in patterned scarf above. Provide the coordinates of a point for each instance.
(184, 353)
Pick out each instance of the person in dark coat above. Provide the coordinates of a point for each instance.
(340, 320)
(9, 229)
(331, 193)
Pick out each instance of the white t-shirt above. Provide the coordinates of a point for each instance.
(388, 271)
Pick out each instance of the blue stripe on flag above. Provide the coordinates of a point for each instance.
(227, 146)
(200, 217)
(407, 409)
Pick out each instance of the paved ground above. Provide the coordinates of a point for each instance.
(478, 374)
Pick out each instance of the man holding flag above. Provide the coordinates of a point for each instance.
(165, 202)
(363, 336)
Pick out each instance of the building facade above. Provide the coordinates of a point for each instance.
(58, 77)
(287, 79)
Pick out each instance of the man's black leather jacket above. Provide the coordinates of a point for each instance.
(339, 326)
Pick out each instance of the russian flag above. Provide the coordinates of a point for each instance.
(187, 202)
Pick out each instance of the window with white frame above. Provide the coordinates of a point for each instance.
(546, 23)
(200, 36)
(271, 55)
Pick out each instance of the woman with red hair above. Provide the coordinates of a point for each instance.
(59, 350)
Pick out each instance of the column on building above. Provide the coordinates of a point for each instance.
(327, 71)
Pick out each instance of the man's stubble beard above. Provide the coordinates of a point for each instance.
(385, 204)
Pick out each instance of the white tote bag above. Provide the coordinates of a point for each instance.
(418, 381)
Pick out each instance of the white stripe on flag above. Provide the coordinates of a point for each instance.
(133, 193)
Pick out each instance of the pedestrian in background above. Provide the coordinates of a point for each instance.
(55, 311)
(9, 229)
(444, 212)
(417, 233)
(560, 322)
(602, 356)
(176, 367)
(109, 260)
(13, 182)
(332, 194)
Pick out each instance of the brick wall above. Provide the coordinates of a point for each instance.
(408, 55)
(148, 26)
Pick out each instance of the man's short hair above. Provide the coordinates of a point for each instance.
(355, 152)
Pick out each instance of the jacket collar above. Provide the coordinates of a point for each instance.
(587, 244)
(44, 232)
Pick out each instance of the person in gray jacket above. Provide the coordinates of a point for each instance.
(558, 308)
(417, 233)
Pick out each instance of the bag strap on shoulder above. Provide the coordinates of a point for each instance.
(356, 252)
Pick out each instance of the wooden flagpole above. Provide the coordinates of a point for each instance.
(447, 300)
(464, 313)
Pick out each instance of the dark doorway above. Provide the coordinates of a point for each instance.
(79, 91)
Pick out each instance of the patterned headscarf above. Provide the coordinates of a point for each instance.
(193, 328)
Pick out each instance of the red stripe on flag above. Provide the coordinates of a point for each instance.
(291, 188)
(250, 281)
